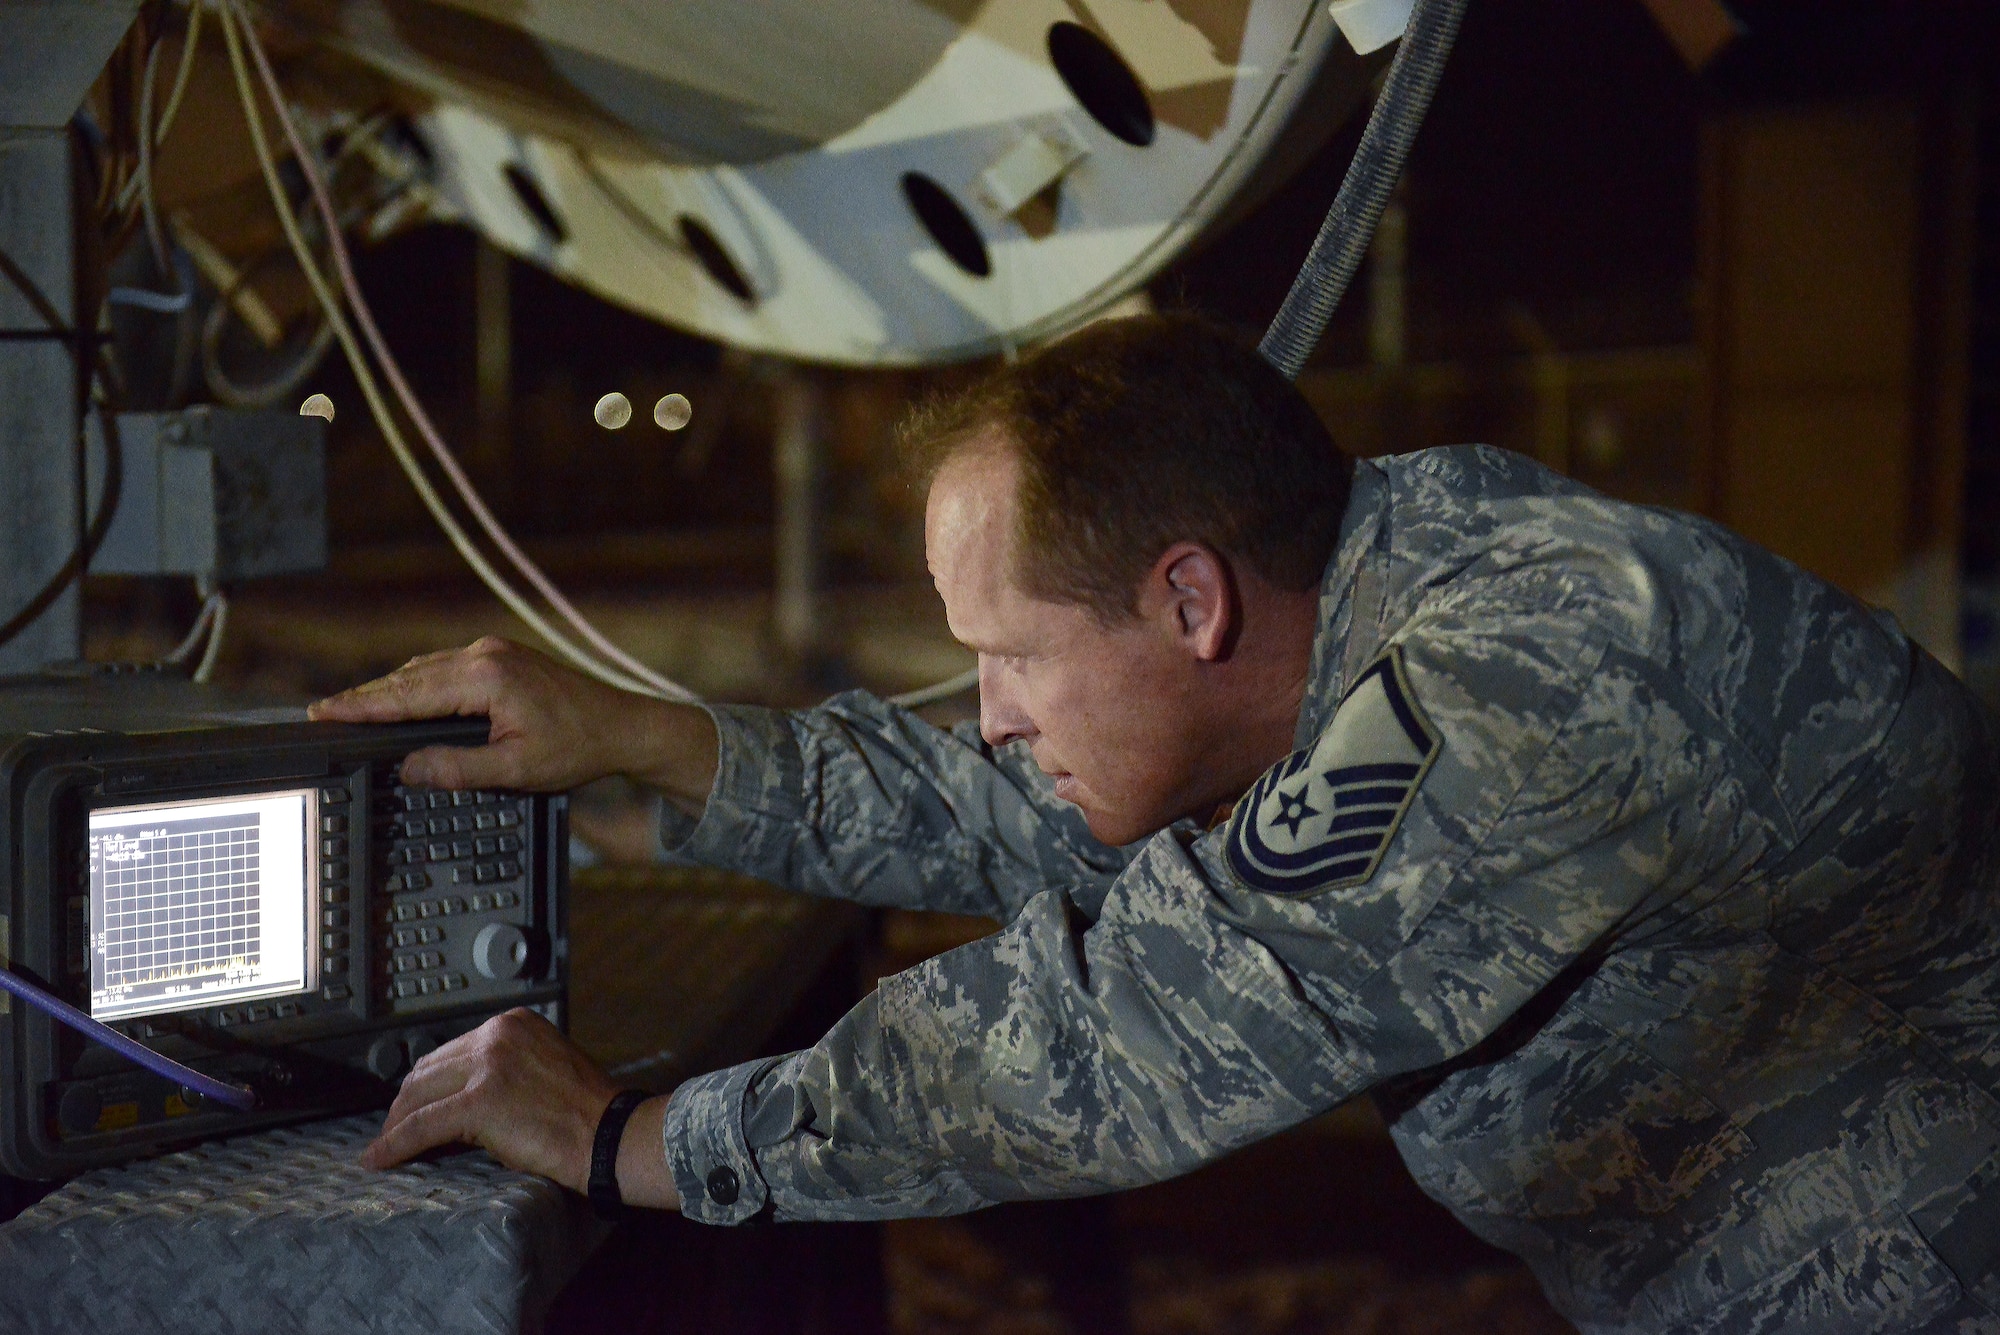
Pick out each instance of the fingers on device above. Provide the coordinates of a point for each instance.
(263, 904)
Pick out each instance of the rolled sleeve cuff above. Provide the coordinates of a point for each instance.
(756, 804)
(710, 1158)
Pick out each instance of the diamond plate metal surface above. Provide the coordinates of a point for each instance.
(287, 1232)
(676, 971)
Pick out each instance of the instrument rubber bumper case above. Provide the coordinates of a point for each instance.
(255, 897)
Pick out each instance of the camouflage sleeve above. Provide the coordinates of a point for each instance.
(1046, 1060)
(858, 799)
(1535, 792)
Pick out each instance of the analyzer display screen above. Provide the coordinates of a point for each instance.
(202, 902)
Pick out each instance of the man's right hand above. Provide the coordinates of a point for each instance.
(552, 727)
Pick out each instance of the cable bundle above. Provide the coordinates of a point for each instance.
(603, 660)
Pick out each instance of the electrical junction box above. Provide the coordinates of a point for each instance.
(218, 493)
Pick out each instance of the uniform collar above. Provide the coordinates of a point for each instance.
(1352, 584)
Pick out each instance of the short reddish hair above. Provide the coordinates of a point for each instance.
(1134, 434)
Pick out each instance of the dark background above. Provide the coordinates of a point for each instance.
(1592, 227)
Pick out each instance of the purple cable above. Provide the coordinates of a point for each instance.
(236, 1096)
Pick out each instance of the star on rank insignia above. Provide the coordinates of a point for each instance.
(1322, 818)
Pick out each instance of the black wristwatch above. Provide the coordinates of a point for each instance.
(605, 1197)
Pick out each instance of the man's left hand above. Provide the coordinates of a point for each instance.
(518, 1089)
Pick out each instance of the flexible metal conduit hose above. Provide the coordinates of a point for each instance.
(1378, 164)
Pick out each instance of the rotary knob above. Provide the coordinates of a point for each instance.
(504, 952)
(386, 1058)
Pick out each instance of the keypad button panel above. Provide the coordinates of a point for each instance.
(431, 843)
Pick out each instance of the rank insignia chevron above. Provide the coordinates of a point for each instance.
(1322, 818)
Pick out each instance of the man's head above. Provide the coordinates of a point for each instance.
(1129, 527)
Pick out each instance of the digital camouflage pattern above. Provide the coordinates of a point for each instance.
(1679, 975)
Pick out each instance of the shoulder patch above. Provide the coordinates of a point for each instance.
(1322, 818)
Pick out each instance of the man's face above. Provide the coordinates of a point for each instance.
(1105, 710)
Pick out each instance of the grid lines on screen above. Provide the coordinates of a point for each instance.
(182, 899)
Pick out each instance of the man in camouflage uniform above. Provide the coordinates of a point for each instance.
(1647, 882)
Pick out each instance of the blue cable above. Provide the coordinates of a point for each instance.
(236, 1096)
(164, 303)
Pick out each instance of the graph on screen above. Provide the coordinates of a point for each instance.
(194, 903)
(183, 899)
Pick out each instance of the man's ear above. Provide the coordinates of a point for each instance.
(1193, 596)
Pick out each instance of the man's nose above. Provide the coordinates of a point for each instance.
(1001, 717)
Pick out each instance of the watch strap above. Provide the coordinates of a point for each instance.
(602, 1190)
